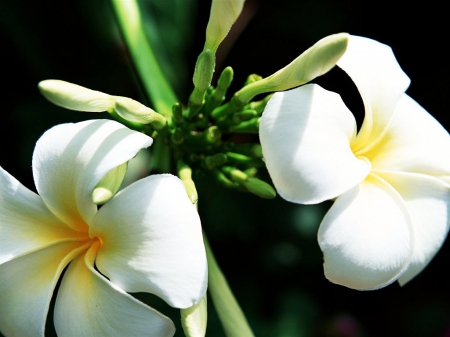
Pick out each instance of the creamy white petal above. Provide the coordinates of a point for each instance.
(70, 159)
(26, 224)
(366, 236)
(414, 142)
(26, 287)
(89, 305)
(380, 81)
(305, 135)
(152, 241)
(428, 202)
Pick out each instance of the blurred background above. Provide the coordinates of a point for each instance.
(267, 249)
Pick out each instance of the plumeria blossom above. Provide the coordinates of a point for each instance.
(390, 216)
(147, 238)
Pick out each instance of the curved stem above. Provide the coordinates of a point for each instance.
(230, 313)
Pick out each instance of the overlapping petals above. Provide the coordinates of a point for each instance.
(119, 313)
(150, 231)
(165, 227)
(77, 156)
(380, 81)
(300, 126)
(391, 214)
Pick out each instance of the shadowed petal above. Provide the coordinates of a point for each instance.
(152, 241)
(305, 136)
(428, 201)
(26, 287)
(70, 159)
(414, 142)
(366, 236)
(89, 305)
(380, 81)
(26, 224)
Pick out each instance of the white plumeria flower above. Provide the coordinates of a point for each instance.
(391, 212)
(147, 238)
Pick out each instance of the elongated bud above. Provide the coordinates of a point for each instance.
(185, 174)
(260, 188)
(215, 160)
(194, 319)
(224, 14)
(75, 97)
(109, 185)
(314, 62)
(250, 126)
(223, 83)
(203, 73)
(253, 185)
(204, 70)
(134, 111)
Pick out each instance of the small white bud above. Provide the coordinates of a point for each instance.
(314, 62)
(75, 97)
(223, 15)
(134, 111)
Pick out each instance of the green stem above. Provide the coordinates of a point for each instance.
(156, 84)
(230, 313)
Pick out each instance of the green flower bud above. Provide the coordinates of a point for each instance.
(223, 15)
(204, 70)
(250, 126)
(194, 319)
(314, 62)
(253, 185)
(203, 73)
(108, 186)
(214, 161)
(259, 188)
(134, 111)
(75, 97)
(185, 174)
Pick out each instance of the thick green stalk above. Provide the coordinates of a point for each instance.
(230, 313)
(156, 84)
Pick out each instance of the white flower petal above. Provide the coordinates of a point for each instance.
(26, 287)
(366, 236)
(414, 142)
(380, 81)
(428, 202)
(305, 135)
(152, 241)
(70, 159)
(26, 224)
(89, 305)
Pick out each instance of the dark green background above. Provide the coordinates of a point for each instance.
(267, 249)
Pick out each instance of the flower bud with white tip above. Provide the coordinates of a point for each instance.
(75, 97)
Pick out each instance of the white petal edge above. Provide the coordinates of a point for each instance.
(380, 81)
(70, 159)
(428, 202)
(366, 236)
(152, 241)
(414, 142)
(88, 305)
(305, 135)
(26, 287)
(26, 225)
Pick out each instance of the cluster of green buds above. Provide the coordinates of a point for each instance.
(203, 135)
